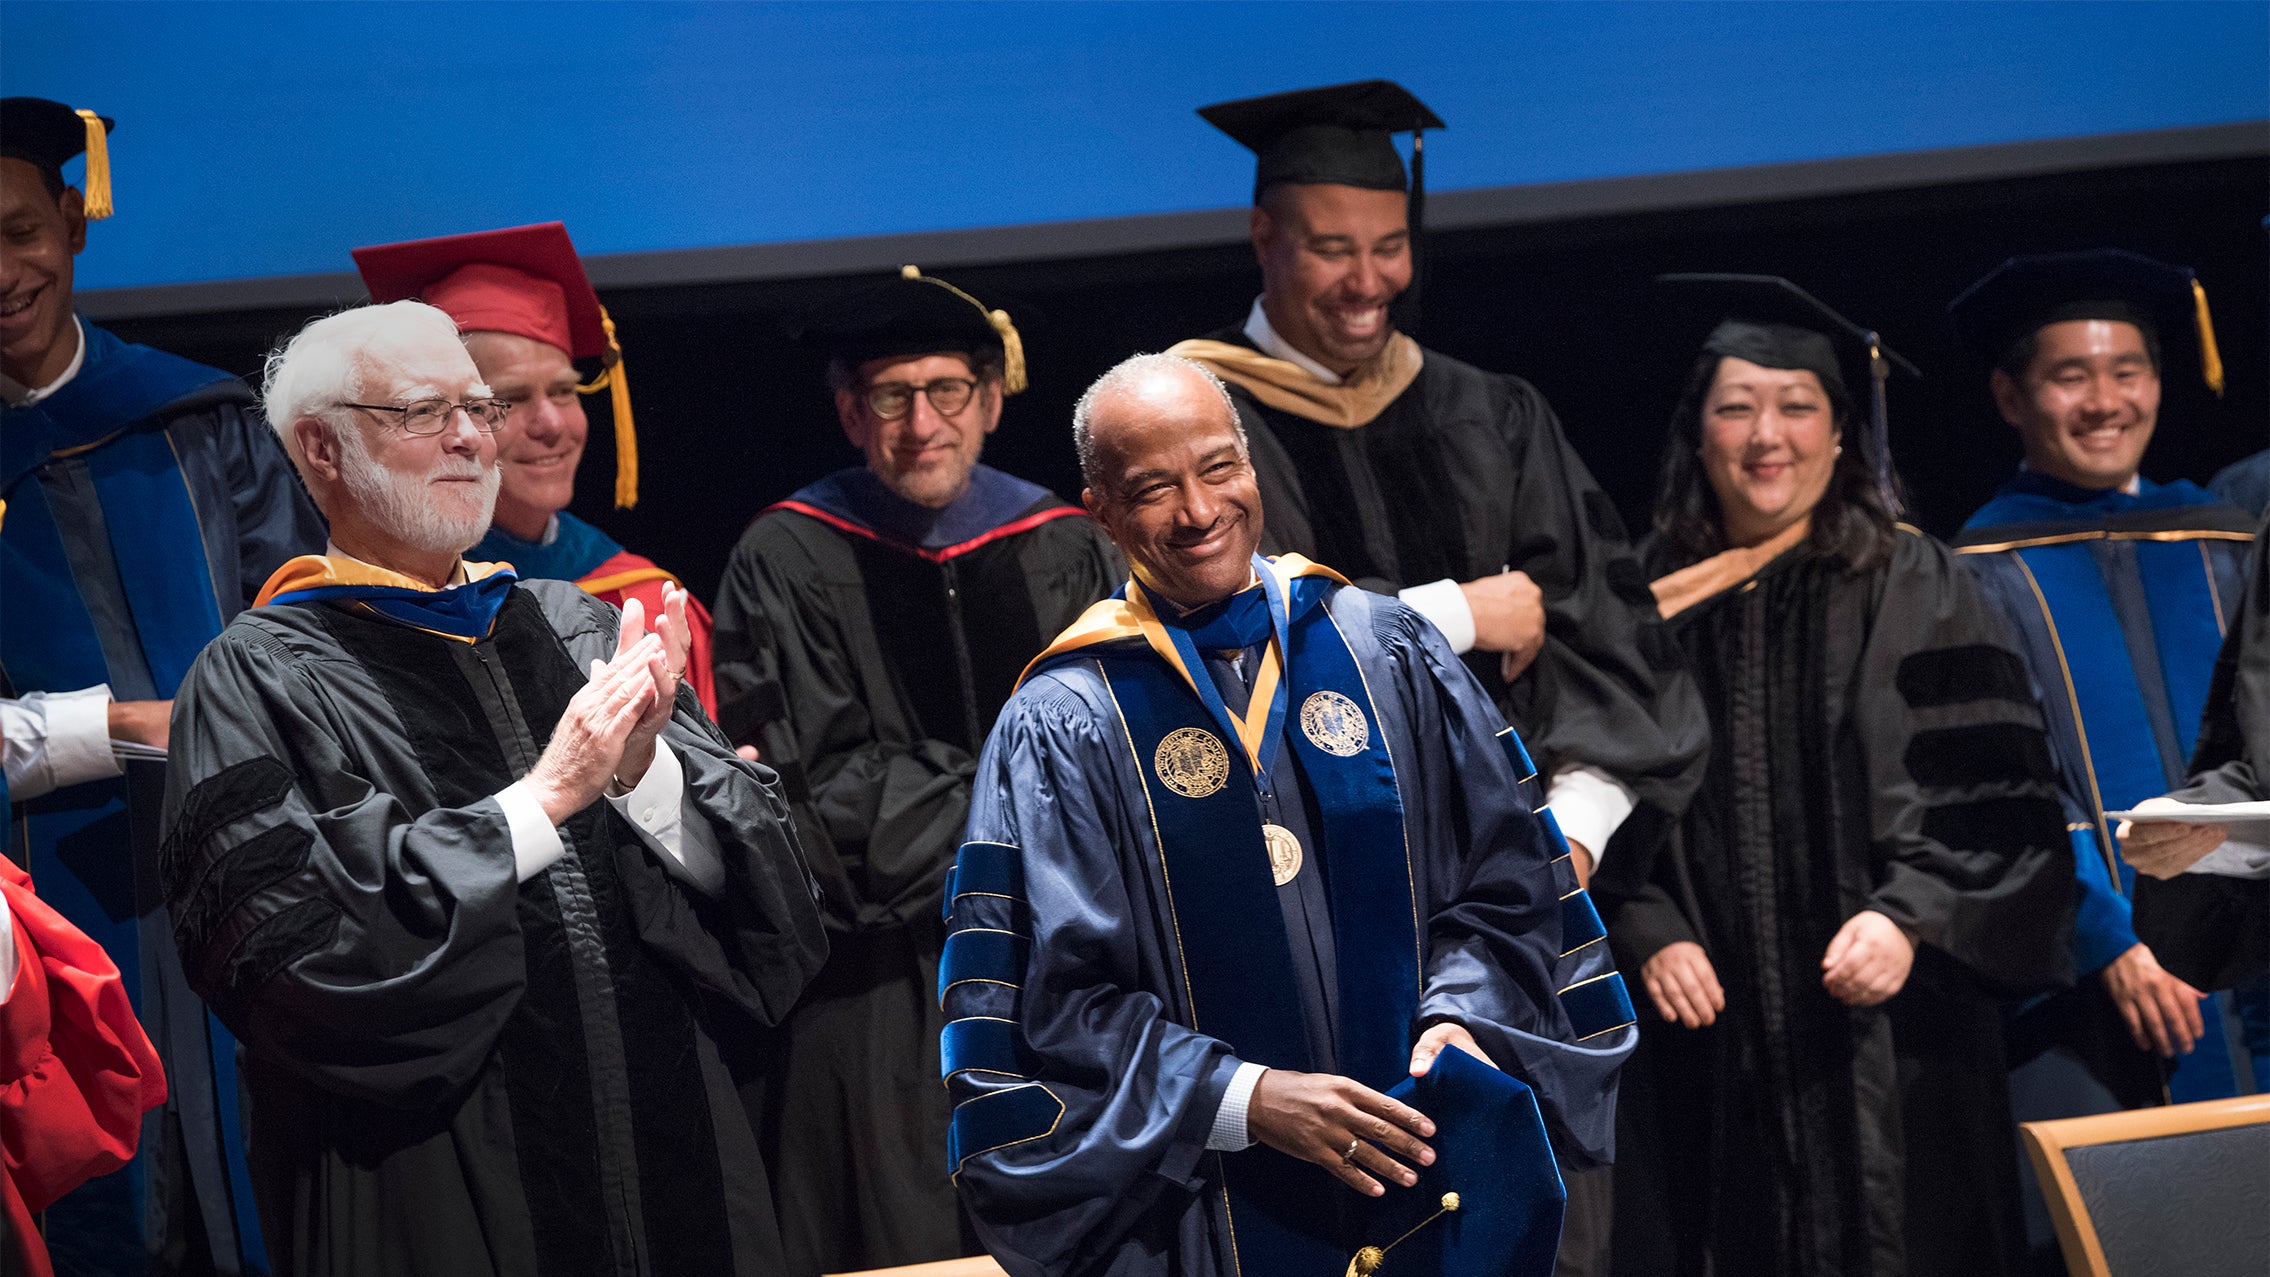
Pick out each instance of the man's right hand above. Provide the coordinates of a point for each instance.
(587, 744)
(2161, 1011)
(1316, 1116)
(142, 722)
(1683, 984)
(2164, 850)
(1509, 617)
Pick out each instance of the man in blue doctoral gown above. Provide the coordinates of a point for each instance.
(1247, 847)
(2119, 590)
(146, 502)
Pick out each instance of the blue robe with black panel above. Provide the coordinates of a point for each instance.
(147, 501)
(2119, 603)
(1118, 945)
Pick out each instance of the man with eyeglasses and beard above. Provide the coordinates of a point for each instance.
(869, 629)
(495, 911)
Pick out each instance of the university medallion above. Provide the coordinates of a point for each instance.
(1191, 762)
(1334, 724)
(1284, 853)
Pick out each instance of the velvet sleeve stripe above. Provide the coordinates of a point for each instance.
(1981, 753)
(985, 869)
(1517, 754)
(255, 865)
(220, 800)
(982, 955)
(1993, 822)
(1580, 923)
(997, 1119)
(1956, 675)
(981, 1044)
(1598, 1005)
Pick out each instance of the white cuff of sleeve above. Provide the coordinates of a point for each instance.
(1443, 603)
(8, 954)
(1229, 1135)
(535, 843)
(78, 736)
(657, 807)
(1588, 804)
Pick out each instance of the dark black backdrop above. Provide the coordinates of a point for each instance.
(732, 416)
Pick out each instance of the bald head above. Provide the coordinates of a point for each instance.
(1169, 476)
(1148, 388)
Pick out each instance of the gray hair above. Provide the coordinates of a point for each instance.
(1125, 374)
(324, 364)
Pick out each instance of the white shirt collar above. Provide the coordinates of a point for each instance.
(1257, 329)
(19, 396)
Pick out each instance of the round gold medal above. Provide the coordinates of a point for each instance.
(1284, 853)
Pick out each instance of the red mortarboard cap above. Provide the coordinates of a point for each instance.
(525, 280)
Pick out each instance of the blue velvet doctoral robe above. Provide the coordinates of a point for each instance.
(147, 501)
(2119, 604)
(1082, 1147)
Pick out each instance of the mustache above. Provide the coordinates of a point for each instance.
(1183, 539)
(464, 469)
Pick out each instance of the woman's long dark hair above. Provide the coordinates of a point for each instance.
(1852, 522)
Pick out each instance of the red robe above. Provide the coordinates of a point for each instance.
(76, 1070)
(634, 576)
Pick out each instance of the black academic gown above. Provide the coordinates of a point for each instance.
(1464, 475)
(866, 646)
(2210, 930)
(451, 1071)
(1875, 746)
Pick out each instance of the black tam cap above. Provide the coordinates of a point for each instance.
(2023, 294)
(1773, 323)
(915, 314)
(1341, 134)
(47, 134)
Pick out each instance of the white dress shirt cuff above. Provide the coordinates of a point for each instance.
(57, 739)
(8, 955)
(1443, 603)
(664, 816)
(535, 843)
(1588, 804)
(1229, 1134)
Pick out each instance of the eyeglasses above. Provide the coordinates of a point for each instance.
(891, 400)
(432, 416)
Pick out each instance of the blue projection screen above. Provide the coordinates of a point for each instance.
(264, 139)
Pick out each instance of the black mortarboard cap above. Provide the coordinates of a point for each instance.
(2023, 294)
(1773, 323)
(1491, 1203)
(914, 314)
(1341, 134)
(47, 134)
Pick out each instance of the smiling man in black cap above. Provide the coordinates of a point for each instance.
(869, 629)
(1420, 475)
(2118, 589)
(146, 502)
(1453, 487)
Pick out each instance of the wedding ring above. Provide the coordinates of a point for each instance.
(676, 674)
(1350, 1155)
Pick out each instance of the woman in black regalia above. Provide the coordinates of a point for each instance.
(1877, 851)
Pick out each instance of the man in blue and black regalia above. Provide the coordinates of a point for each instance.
(146, 502)
(2118, 590)
(1249, 848)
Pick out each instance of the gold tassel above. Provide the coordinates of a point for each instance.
(626, 432)
(1368, 1260)
(97, 182)
(1013, 379)
(1012, 351)
(2210, 358)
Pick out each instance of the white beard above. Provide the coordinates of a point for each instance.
(403, 504)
